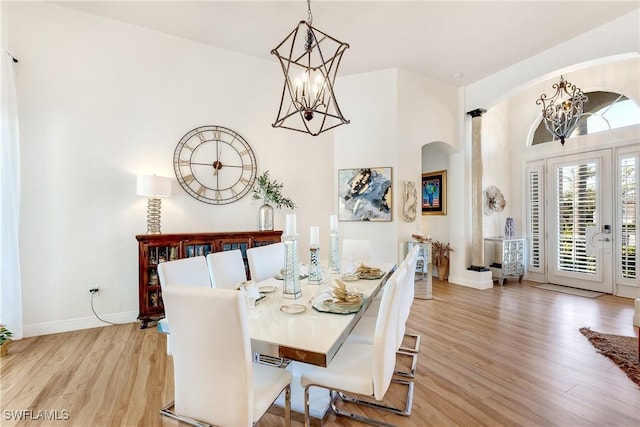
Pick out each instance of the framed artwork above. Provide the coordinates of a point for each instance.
(364, 194)
(434, 193)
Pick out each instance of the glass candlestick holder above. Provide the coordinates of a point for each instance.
(291, 288)
(315, 270)
(334, 252)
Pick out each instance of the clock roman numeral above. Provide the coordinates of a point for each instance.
(202, 190)
(216, 134)
(201, 136)
(188, 179)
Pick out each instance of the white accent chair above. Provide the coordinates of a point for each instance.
(226, 269)
(265, 261)
(356, 252)
(215, 380)
(191, 271)
(364, 369)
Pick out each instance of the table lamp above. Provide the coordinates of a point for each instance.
(154, 188)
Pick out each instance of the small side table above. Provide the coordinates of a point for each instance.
(504, 257)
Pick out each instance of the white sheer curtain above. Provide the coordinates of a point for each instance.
(10, 285)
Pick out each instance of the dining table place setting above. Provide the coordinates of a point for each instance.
(338, 299)
(363, 271)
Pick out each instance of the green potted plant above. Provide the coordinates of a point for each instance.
(5, 340)
(270, 191)
(441, 258)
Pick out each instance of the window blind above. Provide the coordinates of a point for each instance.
(576, 209)
(535, 218)
(627, 232)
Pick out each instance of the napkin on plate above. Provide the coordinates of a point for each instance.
(340, 295)
(369, 271)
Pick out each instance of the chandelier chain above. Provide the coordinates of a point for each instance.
(310, 16)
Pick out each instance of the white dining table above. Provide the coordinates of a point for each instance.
(309, 336)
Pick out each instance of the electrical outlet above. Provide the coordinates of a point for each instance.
(94, 290)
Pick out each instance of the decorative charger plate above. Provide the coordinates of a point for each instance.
(371, 276)
(327, 306)
(293, 308)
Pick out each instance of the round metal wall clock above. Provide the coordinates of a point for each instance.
(215, 165)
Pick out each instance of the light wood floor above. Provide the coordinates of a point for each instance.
(506, 356)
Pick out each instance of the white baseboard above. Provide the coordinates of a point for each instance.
(68, 325)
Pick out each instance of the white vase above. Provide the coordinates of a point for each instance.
(265, 217)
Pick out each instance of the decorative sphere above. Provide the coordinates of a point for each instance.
(308, 115)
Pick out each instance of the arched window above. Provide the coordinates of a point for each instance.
(603, 111)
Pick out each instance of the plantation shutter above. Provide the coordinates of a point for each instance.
(627, 234)
(575, 207)
(535, 218)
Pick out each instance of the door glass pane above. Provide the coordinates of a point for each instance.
(576, 208)
(628, 184)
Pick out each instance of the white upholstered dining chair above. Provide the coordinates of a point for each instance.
(226, 269)
(364, 331)
(355, 251)
(185, 272)
(215, 380)
(191, 271)
(364, 369)
(265, 261)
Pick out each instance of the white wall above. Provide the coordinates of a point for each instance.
(369, 101)
(497, 167)
(393, 114)
(101, 102)
(428, 132)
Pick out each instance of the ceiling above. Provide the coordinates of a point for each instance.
(433, 38)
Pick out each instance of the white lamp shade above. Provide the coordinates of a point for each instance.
(153, 186)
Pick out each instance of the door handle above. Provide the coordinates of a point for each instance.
(606, 239)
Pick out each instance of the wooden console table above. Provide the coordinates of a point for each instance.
(156, 248)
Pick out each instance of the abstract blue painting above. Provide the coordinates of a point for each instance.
(364, 194)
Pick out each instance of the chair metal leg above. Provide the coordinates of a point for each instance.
(340, 394)
(287, 406)
(167, 411)
(411, 373)
(307, 417)
(416, 347)
(404, 412)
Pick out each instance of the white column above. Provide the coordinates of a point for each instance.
(477, 248)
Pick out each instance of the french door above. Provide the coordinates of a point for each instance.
(580, 247)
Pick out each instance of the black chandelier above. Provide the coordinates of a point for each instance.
(308, 103)
(562, 112)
